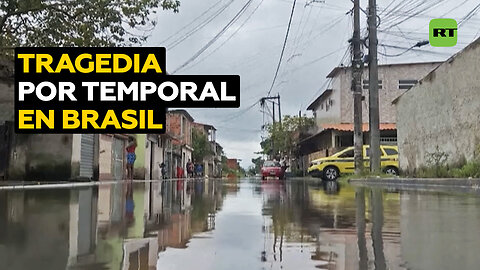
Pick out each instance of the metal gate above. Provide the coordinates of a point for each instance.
(87, 155)
(5, 141)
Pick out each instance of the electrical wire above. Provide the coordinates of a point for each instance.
(469, 15)
(238, 114)
(215, 38)
(283, 48)
(407, 49)
(230, 37)
(190, 23)
(179, 40)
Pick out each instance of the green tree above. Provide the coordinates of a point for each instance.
(201, 146)
(257, 162)
(78, 22)
(283, 138)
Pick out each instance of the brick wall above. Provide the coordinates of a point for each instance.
(181, 127)
(232, 163)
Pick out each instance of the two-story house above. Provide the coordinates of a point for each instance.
(211, 163)
(179, 125)
(333, 109)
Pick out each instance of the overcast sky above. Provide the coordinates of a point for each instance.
(317, 43)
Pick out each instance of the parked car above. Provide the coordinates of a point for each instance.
(330, 168)
(272, 169)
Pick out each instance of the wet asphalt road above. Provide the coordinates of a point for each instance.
(237, 224)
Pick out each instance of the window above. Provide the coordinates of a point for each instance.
(367, 152)
(366, 84)
(271, 164)
(406, 84)
(390, 151)
(347, 154)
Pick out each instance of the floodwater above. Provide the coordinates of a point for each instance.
(237, 224)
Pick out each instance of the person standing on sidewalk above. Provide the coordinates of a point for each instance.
(163, 169)
(132, 144)
(190, 168)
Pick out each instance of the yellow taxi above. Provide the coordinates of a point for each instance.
(330, 168)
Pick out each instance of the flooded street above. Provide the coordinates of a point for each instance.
(237, 224)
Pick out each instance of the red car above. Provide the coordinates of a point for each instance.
(272, 169)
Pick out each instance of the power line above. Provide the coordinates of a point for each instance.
(238, 114)
(283, 48)
(190, 23)
(469, 15)
(407, 49)
(216, 37)
(179, 40)
(230, 37)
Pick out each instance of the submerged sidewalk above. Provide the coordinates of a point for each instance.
(421, 183)
(13, 185)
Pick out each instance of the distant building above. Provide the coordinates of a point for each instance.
(232, 163)
(212, 163)
(441, 113)
(179, 125)
(333, 109)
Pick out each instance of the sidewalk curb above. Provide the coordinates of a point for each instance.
(463, 183)
(60, 185)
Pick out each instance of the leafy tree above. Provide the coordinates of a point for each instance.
(257, 162)
(78, 22)
(283, 138)
(201, 146)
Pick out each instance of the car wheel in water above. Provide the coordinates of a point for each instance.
(330, 173)
(391, 170)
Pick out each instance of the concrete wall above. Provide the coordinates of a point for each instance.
(41, 157)
(105, 159)
(6, 91)
(327, 113)
(158, 157)
(442, 111)
(139, 165)
(6, 100)
(390, 75)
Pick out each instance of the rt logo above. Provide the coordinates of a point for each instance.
(443, 32)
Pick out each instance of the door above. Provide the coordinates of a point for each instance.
(152, 161)
(366, 157)
(5, 141)
(87, 155)
(345, 161)
(117, 158)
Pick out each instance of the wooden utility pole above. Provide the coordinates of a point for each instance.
(374, 118)
(279, 110)
(272, 99)
(273, 112)
(357, 66)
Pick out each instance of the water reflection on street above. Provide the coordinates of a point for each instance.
(237, 224)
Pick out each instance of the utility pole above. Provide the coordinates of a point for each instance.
(374, 117)
(263, 104)
(279, 110)
(273, 112)
(357, 65)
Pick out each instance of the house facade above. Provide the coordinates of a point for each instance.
(333, 109)
(179, 125)
(440, 115)
(212, 163)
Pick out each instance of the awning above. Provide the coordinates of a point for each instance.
(365, 127)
